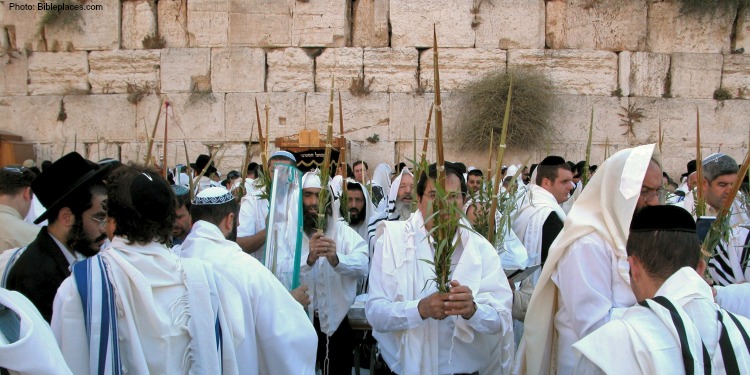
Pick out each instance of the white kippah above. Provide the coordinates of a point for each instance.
(311, 180)
(213, 195)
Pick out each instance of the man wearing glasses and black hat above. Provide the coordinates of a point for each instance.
(15, 202)
(72, 190)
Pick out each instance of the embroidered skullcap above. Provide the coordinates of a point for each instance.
(311, 180)
(284, 154)
(180, 190)
(552, 160)
(717, 164)
(213, 195)
(663, 218)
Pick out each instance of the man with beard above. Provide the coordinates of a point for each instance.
(73, 193)
(333, 262)
(136, 307)
(360, 207)
(399, 204)
(276, 323)
(586, 273)
(182, 222)
(422, 331)
(474, 180)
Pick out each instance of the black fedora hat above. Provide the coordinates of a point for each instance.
(200, 164)
(57, 183)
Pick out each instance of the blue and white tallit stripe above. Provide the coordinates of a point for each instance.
(100, 315)
(12, 261)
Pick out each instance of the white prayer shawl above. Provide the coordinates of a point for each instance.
(605, 208)
(528, 222)
(568, 204)
(8, 258)
(370, 209)
(332, 290)
(734, 298)
(513, 255)
(411, 345)
(274, 321)
(731, 263)
(646, 341)
(382, 176)
(35, 352)
(253, 216)
(167, 314)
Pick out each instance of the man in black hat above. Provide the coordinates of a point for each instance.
(72, 190)
(676, 324)
(201, 164)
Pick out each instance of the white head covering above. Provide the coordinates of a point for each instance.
(393, 194)
(382, 177)
(311, 180)
(213, 195)
(606, 207)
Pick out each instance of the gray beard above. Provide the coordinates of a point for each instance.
(402, 210)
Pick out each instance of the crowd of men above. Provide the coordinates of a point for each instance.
(112, 269)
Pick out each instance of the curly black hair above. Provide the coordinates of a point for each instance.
(142, 204)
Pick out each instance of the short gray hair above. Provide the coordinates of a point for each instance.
(717, 165)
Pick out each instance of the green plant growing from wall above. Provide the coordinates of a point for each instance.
(482, 108)
(67, 19)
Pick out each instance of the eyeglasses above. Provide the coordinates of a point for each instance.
(101, 220)
(649, 193)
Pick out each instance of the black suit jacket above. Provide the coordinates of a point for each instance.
(39, 271)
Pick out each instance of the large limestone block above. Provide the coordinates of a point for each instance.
(181, 66)
(138, 22)
(22, 25)
(321, 23)
(391, 69)
(370, 26)
(191, 116)
(735, 76)
(93, 116)
(623, 72)
(289, 69)
(260, 23)
(112, 71)
(345, 64)
(286, 113)
(94, 29)
(510, 24)
(695, 75)
(459, 66)
(648, 74)
(571, 117)
(13, 73)
(208, 22)
(173, 22)
(32, 117)
(383, 151)
(410, 111)
(364, 116)
(670, 31)
(238, 69)
(612, 25)
(742, 30)
(580, 72)
(58, 73)
(412, 21)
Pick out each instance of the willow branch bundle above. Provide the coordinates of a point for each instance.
(700, 202)
(587, 162)
(500, 155)
(324, 173)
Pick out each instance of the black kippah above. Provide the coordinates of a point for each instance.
(663, 218)
(150, 197)
(553, 160)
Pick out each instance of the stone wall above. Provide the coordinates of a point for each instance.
(90, 84)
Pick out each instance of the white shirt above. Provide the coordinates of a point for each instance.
(410, 344)
(589, 287)
(332, 289)
(274, 321)
(252, 217)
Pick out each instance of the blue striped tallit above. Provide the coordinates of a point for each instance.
(100, 315)
(11, 262)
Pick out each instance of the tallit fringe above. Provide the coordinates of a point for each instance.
(118, 302)
(179, 309)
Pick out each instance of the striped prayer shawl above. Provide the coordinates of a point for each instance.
(100, 315)
(723, 266)
(11, 262)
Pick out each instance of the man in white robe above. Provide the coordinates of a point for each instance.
(136, 307)
(399, 205)
(332, 264)
(27, 345)
(274, 321)
(586, 273)
(676, 328)
(420, 331)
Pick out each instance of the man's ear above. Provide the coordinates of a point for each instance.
(636, 269)
(66, 217)
(28, 195)
(546, 183)
(227, 224)
(701, 267)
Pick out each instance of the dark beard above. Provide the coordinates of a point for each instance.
(309, 221)
(355, 217)
(78, 242)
